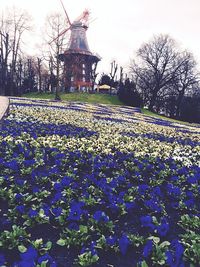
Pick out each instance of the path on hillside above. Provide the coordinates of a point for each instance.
(4, 108)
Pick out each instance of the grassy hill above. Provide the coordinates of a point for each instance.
(81, 97)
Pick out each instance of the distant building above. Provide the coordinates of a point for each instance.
(105, 89)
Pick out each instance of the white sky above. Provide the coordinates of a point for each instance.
(123, 25)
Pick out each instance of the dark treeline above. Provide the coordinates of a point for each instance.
(163, 78)
(167, 79)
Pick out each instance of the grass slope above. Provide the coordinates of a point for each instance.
(81, 97)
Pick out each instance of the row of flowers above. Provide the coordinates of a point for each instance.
(93, 185)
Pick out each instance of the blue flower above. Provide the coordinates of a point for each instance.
(57, 211)
(76, 210)
(129, 205)
(123, 244)
(73, 226)
(163, 228)
(189, 203)
(148, 248)
(142, 189)
(47, 258)
(100, 216)
(18, 196)
(24, 263)
(20, 209)
(153, 205)
(13, 165)
(147, 221)
(2, 259)
(58, 186)
(29, 255)
(32, 213)
(174, 257)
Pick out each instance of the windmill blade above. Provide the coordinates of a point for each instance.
(65, 12)
(59, 35)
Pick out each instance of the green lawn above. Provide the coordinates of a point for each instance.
(153, 114)
(81, 97)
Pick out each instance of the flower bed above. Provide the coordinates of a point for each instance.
(96, 185)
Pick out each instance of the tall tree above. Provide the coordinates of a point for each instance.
(158, 64)
(185, 80)
(55, 24)
(12, 28)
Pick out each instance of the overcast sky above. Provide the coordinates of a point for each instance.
(122, 26)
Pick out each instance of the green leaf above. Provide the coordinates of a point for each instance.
(83, 229)
(144, 264)
(164, 244)
(155, 239)
(22, 248)
(61, 242)
(44, 263)
(49, 245)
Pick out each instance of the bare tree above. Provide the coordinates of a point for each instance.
(185, 80)
(158, 63)
(113, 71)
(12, 28)
(55, 25)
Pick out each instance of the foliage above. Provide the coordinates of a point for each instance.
(129, 95)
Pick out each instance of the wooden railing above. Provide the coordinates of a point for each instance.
(4, 108)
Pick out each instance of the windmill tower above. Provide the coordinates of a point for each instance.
(79, 62)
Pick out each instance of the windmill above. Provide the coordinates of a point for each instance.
(79, 62)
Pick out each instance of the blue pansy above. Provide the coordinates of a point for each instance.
(111, 240)
(100, 216)
(76, 210)
(163, 228)
(142, 189)
(29, 255)
(147, 221)
(32, 213)
(20, 208)
(2, 259)
(148, 248)
(47, 258)
(123, 244)
(24, 263)
(57, 211)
